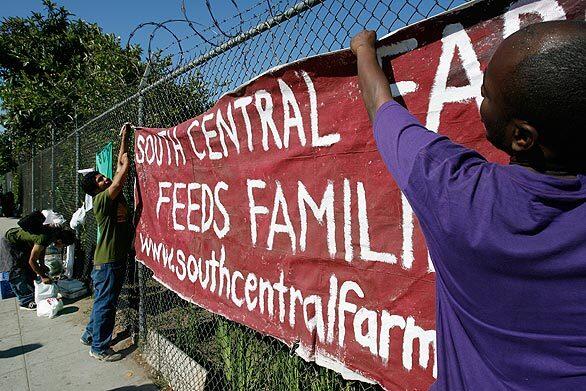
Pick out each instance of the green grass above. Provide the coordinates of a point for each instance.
(237, 358)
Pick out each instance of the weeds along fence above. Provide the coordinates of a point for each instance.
(190, 347)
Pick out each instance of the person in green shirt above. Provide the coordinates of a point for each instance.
(114, 237)
(22, 254)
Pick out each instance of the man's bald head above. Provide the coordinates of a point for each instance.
(537, 75)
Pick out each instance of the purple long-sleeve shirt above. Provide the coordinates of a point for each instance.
(509, 248)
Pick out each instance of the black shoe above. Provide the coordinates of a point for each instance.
(85, 342)
(29, 307)
(108, 355)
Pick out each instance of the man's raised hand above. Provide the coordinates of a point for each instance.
(364, 39)
(124, 159)
(125, 129)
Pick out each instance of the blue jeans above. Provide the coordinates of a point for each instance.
(108, 279)
(21, 281)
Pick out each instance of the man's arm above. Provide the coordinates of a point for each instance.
(371, 78)
(123, 165)
(124, 134)
(38, 252)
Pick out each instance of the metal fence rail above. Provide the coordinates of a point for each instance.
(203, 350)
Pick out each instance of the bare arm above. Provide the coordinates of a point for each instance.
(124, 133)
(38, 252)
(371, 78)
(120, 177)
(123, 165)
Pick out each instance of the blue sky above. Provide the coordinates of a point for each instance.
(120, 17)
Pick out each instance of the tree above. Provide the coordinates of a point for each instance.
(6, 160)
(55, 72)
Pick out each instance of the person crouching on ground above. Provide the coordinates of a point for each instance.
(114, 236)
(23, 254)
(508, 242)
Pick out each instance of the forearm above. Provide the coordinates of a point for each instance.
(374, 85)
(123, 145)
(36, 268)
(119, 180)
(123, 173)
(120, 176)
(34, 263)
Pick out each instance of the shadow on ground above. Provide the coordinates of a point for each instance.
(127, 351)
(121, 336)
(144, 387)
(19, 350)
(67, 301)
(68, 310)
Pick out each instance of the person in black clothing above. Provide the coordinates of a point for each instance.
(22, 253)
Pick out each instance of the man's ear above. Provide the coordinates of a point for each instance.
(524, 136)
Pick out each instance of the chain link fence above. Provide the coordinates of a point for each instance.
(189, 347)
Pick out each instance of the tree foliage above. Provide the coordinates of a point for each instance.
(6, 160)
(55, 72)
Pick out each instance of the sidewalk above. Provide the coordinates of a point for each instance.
(45, 354)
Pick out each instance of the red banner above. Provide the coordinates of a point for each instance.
(275, 210)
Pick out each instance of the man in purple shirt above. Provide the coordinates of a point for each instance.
(508, 241)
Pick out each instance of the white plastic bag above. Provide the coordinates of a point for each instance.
(78, 218)
(53, 218)
(69, 260)
(88, 203)
(49, 307)
(44, 291)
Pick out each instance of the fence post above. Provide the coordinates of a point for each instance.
(142, 324)
(52, 168)
(32, 179)
(76, 168)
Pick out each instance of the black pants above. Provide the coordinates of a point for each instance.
(21, 280)
(21, 276)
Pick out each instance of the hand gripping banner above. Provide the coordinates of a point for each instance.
(274, 209)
